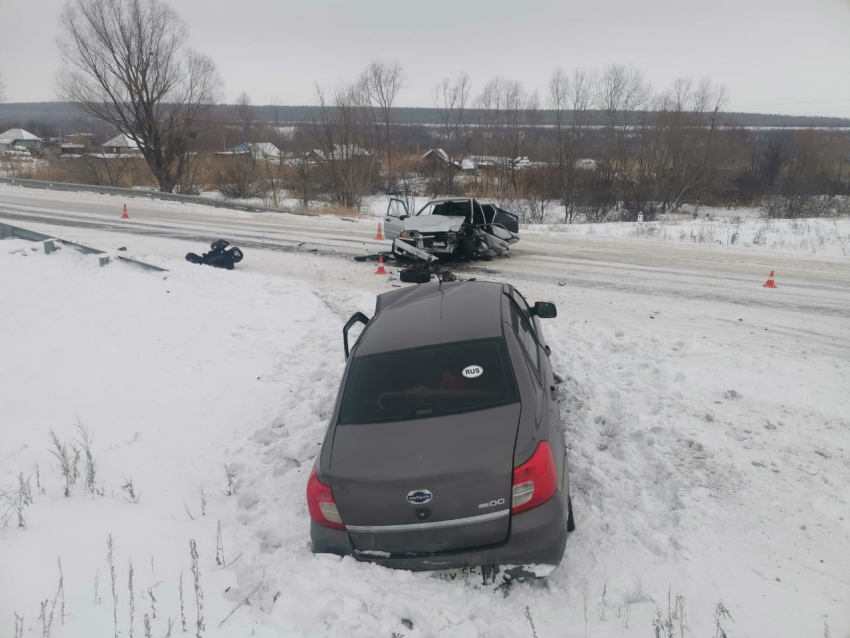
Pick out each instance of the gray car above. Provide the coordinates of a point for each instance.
(451, 228)
(446, 449)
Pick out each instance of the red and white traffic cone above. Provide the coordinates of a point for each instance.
(769, 283)
(381, 270)
(380, 235)
(125, 215)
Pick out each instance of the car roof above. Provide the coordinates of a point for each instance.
(442, 200)
(433, 314)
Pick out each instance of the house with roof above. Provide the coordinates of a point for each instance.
(487, 162)
(341, 152)
(19, 139)
(490, 162)
(258, 150)
(437, 157)
(121, 145)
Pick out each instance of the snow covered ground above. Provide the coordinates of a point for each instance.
(708, 422)
(812, 236)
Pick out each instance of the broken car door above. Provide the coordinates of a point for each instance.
(394, 221)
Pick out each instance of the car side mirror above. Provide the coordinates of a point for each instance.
(545, 310)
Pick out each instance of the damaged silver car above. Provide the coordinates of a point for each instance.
(452, 228)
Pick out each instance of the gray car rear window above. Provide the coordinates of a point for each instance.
(427, 382)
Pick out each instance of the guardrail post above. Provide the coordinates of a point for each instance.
(49, 247)
(103, 261)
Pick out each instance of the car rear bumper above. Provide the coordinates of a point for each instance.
(537, 538)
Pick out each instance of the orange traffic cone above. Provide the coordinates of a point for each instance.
(125, 215)
(769, 283)
(380, 270)
(379, 236)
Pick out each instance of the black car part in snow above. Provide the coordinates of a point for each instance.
(219, 256)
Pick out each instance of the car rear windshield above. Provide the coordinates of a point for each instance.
(426, 382)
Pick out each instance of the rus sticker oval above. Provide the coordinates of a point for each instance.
(472, 372)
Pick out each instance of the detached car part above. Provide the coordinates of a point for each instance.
(219, 255)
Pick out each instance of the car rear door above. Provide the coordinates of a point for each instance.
(532, 340)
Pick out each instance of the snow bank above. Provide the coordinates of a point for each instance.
(814, 236)
(709, 444)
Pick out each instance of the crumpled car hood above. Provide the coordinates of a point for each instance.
(433, 223)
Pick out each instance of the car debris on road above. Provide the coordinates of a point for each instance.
(415, 273)
(219, 255)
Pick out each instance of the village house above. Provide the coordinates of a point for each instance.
(121, 145)
(18, 139)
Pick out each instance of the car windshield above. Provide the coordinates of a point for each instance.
(447, 209)
(427, 382)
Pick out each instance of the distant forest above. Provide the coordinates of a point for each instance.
(62, 115)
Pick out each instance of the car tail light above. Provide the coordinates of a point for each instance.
(320, 502)
(535, 481)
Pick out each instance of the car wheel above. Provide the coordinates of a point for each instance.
(411, 276)
(571, 523)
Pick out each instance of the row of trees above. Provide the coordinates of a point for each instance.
(615, 145)
(652, 152)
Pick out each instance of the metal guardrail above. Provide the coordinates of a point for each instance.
(132, 192)
(7, 230)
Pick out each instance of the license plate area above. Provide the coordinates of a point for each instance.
(461, 574)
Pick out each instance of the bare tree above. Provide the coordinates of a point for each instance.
(127, 62)
(339, 130)
(450, 99)
(2, 90)
(678, 151)
(506, 110)
(381, 83)
(709, 100)
(273, 167)
(570, 99)
(622, 93)
(769, 160)
(245, 117)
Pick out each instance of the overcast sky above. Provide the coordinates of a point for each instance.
(779, 56)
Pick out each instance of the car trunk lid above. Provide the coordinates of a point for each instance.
(426, 485)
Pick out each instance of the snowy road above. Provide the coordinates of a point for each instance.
(579, 261)
(708, 423)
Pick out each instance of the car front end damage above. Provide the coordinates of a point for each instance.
(453, 229)
(433, 245)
